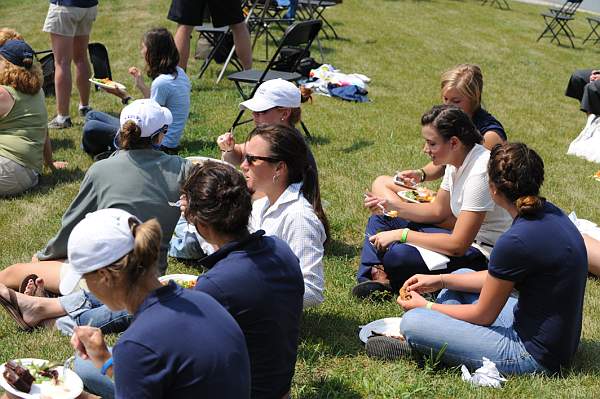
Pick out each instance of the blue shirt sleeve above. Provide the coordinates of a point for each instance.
(138, 372)
(159, 91)
(508, 260)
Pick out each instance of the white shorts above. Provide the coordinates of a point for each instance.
(70, 21)
(15, 178)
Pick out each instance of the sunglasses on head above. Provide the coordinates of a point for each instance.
(253, 158)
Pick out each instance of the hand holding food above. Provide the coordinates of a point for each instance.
(415, 301)
(226, 142)
(423, 283)
(137, 77)
(89, 344)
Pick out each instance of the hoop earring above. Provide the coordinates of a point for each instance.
(275, 178)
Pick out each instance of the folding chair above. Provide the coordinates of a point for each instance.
(557, 21)
(300, 35)
(594, 24)
(499, 3)
(314, 9)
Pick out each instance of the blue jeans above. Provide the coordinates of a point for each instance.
(427, 331)
(99, 132)
(401, 261)
(84, 309)
(93, 381)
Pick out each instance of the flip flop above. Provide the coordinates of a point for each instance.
(34, 277)
(12, 307)
(26, 281)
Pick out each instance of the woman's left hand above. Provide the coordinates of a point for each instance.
(381, 241)
(416, 301)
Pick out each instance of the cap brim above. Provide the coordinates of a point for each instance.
(69, 280)
(256, 105)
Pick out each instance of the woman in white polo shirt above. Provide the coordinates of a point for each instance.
(451, 139)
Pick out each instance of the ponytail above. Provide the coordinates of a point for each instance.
(311, 191)
(143, 259)
(130, 137)
(529, 205)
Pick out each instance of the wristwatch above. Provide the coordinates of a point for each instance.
(126, 100)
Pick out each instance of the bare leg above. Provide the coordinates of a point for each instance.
(49, 271)
(62, 46)
(182, 41)
(36, 310)
(593, 252)
(243, 45)
(82, 68)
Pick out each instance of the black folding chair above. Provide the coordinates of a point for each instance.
(299, 35)
(557, 21)
(314, 9)
(500, 3)
(594, 24)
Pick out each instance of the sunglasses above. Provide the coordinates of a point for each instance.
(253, 158)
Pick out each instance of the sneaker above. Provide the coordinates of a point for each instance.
(83, 111)
(55, 124)
(374, 289)
(388, 348)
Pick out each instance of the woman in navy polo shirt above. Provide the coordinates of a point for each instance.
(181, 343)
(542, 256)
(257, 278)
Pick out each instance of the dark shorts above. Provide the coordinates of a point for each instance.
(191, 12)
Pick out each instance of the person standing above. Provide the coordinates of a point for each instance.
(69, 23)
(189, 13)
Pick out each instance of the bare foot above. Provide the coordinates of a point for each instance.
(377, 274)
(35, 288)
(30, 306)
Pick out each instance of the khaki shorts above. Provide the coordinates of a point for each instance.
(70, 21)
(15, 178)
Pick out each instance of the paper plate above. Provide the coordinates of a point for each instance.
(180, 279)
(403, 183)
(114, 85)
(72, 383)
(198, 159)
(389, 325)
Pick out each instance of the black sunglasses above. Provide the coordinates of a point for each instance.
(253, 158)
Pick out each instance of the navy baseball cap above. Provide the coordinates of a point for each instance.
(16, 51)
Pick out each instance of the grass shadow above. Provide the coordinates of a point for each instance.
(586, 359)
(57, 177)
(340, 248)
(317, 330)
(62, 143)
(317, 140)
(357, 145)
(326, 387)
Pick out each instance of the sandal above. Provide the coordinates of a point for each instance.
(44, 294)
(12, 307)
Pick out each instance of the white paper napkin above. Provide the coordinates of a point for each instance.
(432, 259)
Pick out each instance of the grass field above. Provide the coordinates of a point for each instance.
(403, 46)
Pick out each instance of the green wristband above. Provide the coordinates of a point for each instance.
(429, 305)
(404, 235)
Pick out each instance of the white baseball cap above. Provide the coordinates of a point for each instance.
(100, 239)
(148, 115)
(273, 93)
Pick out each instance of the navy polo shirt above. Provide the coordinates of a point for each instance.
(258, 280)
(75, 3)
(484, 122)
(181, 344)
(546, 258)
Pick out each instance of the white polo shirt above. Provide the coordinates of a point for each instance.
(469, 191)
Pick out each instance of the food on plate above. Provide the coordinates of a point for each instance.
(597, 176)
(18, 376)
(405, 182)
(398, 336)
(392, 214)
(182, 283)
(404, 295)
(107, 82)
(421, 195)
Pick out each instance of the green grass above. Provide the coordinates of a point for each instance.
(403, 46)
